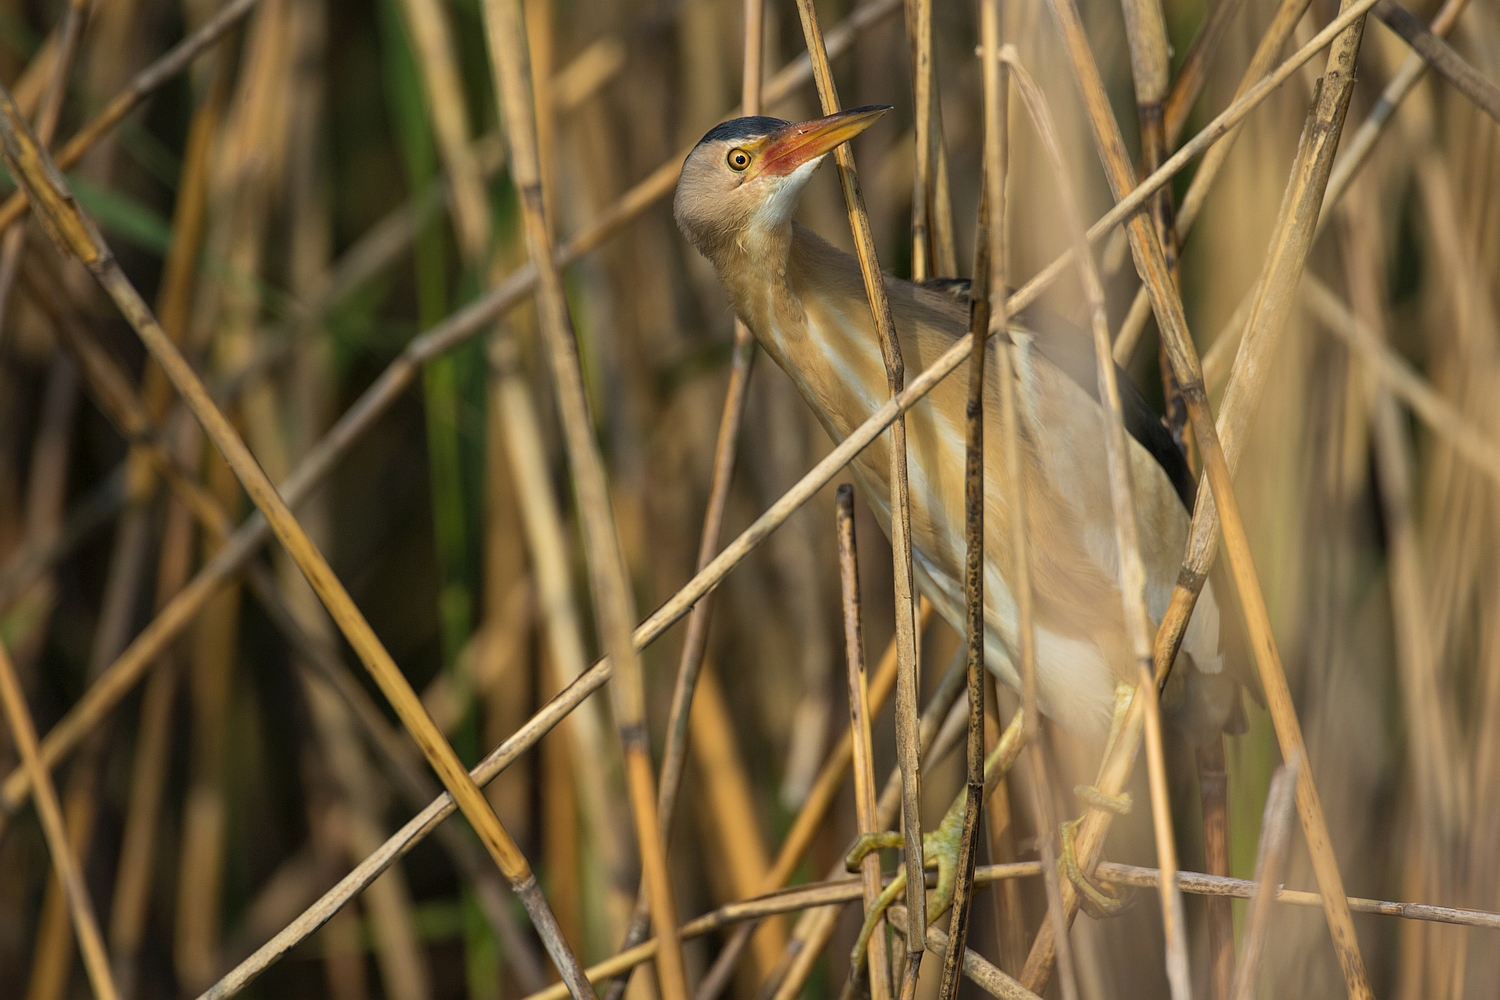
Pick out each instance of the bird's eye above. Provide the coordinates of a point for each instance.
(738, 159)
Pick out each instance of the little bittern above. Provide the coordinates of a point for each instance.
(806, 303)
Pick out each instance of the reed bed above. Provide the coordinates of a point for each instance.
(398, 284)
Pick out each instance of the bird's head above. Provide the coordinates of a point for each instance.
(743, 178)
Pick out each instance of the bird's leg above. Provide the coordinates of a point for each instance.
(1098, 899)
(940, 847)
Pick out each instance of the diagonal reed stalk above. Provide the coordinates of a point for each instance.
(382, 393)
(86, 925)
(907, 743)
(75, 235)
(1270, 861)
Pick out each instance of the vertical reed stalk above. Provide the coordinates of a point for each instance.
(907, 744)
(1132, 581)
(1288, 254)
(610, 585)
(865, 804)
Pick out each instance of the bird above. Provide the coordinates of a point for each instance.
(806, 303)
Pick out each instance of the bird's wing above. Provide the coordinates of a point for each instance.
(1071, 349)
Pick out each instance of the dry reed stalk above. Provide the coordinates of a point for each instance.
(820, 798)
(1288, 253)
(991, 188)
(69, 33)
(1150, 68)
(727, 807)
(859, 730)
(23, 734)
(726, 446)
(1192, 75)
(1009, 913)
(981, 971)
(837, 891)
(1431, 720)
(609, 583)
(141, 86)
(437, 62)
(1283, 24)
(547, 542)
(1440, 56)
(74, 233)
(907, 744)
(123, 674)
(52, 949)
(1270, 860)
(1127, 539)
(932, 248)
(149, 774)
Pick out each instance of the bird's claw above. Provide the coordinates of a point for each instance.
(1090, 795)
(867, 843)
(1098, 899)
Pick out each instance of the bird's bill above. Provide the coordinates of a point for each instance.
(806, 141)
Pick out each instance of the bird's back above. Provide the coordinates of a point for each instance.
(816, 323)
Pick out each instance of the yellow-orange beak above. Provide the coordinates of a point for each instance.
(798, 144)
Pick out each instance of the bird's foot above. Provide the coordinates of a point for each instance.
(939, 850)
(940, 847)
(1089, 795)
(1098, 899)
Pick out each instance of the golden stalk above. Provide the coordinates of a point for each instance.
(1127, 542)
(23, 734)
(865, 805)
(613, 602)
(1288, 254)
(907, 743)
(74, 234)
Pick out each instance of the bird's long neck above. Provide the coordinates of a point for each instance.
(805, 301)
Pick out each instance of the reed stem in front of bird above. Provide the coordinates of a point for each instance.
(865, 805)
(907, 745)
(1288, 253)
(1127, 541)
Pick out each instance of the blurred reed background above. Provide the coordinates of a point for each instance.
(324, 181)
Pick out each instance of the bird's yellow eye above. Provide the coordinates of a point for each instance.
(738, 159)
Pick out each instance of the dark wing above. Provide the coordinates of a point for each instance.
(1072, 350)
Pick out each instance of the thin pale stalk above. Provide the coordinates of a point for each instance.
(75, 234)
(1127, 540)
(1270, 860)
(1288, 253)
(23, 734)
(859, 728)
(69, 34)
(907, 744)
(1193, 73)
(614, 604)
(726, 446)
